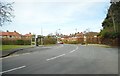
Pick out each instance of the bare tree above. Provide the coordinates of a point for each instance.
(6, 12)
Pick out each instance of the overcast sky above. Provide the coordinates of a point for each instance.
(51, 15)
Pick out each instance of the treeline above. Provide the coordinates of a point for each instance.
(110, 33)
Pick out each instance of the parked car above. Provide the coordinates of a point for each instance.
(60, 42)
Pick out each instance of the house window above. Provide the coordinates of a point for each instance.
(10, 36)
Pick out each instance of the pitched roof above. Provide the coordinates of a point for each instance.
(79, 34)
(28, 35)
(10, 34)
(92, 33)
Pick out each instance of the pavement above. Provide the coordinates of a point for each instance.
(63, 59)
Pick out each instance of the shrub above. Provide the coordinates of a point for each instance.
(20, 42)
(73, 42)
(49, 40)
(15, 42)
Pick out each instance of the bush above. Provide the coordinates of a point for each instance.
(111, 35)
(83, 43)
(106, 35)
(16, 42)
(20, 42)
(27, 42)
(9, 42)
(73, 42)
(115, 35)
(49, 40)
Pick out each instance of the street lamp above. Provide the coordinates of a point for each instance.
(57, 34)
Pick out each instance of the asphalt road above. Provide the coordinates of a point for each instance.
(63, 59)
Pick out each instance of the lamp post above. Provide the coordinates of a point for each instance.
(58, 35)
(85, 37)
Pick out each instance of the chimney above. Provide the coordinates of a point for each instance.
(7, 31)
(14, 31)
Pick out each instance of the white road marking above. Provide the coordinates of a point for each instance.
(73, 50)
(12, 69)
(61, 55)
(55, 57)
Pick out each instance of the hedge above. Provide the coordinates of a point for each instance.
(49, 40)
(16, 42)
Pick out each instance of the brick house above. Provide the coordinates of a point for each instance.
(27, 36)
(13, 38)
(91, 37)
(14, 35)
(78, 37)
(10, 35)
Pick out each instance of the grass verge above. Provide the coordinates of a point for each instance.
(101, 45)
(10, 47)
